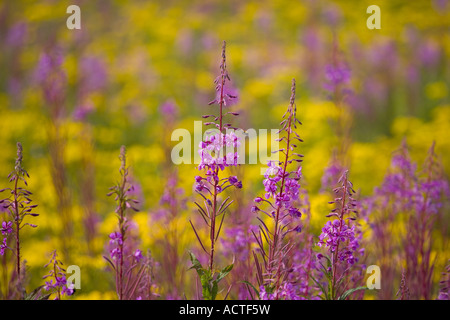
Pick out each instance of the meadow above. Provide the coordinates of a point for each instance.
(92, 178)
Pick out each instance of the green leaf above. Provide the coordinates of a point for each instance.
(45, 297)
(329, 262)
(321, 288)
(214, 290)
(205, 279)
(224, 272)
(196, 264)
(251, 286)
(350, 291)
(34, 294)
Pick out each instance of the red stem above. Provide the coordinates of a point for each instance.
(17, 222)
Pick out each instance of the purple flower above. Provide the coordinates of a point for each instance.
(82, 111)
(337, 235)
(6, 227)
(336, 75)
(49, 285)
(49, 62)
(3, 247)
(67, 289)
(258, 199)
(61, 281)
(138, 255)
(52, 79)
(93, 74)
(116, 238)
(169, 109)
(263, 295)
(115, 254)
(429, 53)
(233, 179)
(215, 144)
(237, 242)
(16, 35)
(331, 175)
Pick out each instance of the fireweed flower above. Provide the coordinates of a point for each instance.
(3, 246)
(52, 79)
(281, 193)
(58, 283)
(419, 199)
(215, 156)
(331, 174)
(18, 204)
(238, 241)
(340, 237)
(93, 78)
(16, 35)
(6, 227)
(132, 269)
(336, 75)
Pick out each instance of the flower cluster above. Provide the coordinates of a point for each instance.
(342, 238)
(58, 282)
(273, 176)
(331, 174)
(214, 158)
(6, 231)
(117, 250)
(238, 242)
(418, 198)
(133, 270)
(338, 236)
(282, 190)
(336, 75)
(53, 80)
(336, 233)
(18, 205)
(213, 153)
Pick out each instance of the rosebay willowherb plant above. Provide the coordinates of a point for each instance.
(432, 191)
(133, 271)
(282, 191)
(304, 260)
(417, 200)
(171, 207)
(340, 237)
(52, 80)
(18, 204)
(211, 185)
(57, 283)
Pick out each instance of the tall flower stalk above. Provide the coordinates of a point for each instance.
(118, 238)
(57, 274)
(282, 190)
(19, 206)
(211, 185)
(172, 205)
(53, 82)
(339, 237)
(418, 201)
(432, 191)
